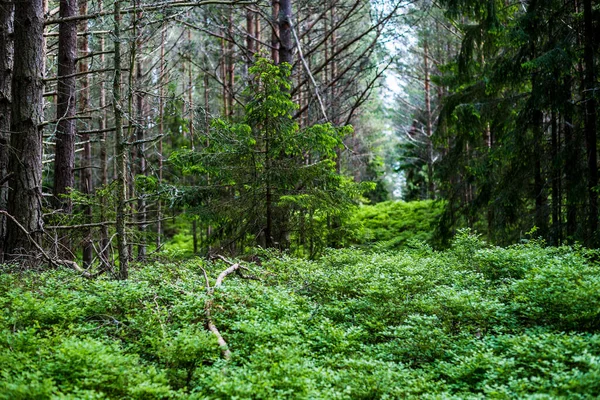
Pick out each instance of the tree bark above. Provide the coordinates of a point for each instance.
(223, 70)
(6, 72)
(141, 147)
(25, 196)
(286, 43)
(120, 149)
(103, 150)
(83, 105)
(572, 162)
(428, 123)
(590, 122)
(556, 196)
(250, 34)
(230, 64)
(64, 160)
(161, 129)
(275, 32)
(539, 190)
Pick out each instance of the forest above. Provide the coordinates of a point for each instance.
(299, 199)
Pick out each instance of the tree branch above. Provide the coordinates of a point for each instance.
(52, 261)
(153, 7)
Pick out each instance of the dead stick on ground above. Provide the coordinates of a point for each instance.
(223, 274)
(208, 305)
(238, 271)
(209, 322)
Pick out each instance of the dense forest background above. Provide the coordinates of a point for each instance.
(343, 199)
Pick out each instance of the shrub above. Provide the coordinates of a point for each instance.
(473, 321)
(393, 223)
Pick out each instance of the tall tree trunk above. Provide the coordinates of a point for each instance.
(250, 36)
(207, 143)
(539, 191)
(275, 33)
(590, 122)
(268, 195)
(224, 69)
(230, 63)
(161, 130)
(120, 148)
(257, 33)
(25, 196)
(428, 122)
(190, 91)
(537, 127)
(6, 68)
(64, 161)
(571, 165)
(131, 164)
(64, 157)
(83, 105)
(139, 136)
(141, 156)
(103, 151)
(190, 94)
(285, 32)
(556, 197)
(335, 103)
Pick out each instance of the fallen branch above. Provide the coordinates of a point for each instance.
(251, 277)
(234, 267)
(237, 270)
(223, 274)
(209, 322)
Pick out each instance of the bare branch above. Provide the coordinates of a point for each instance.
(224, 274)
(153, 7)
(52, 261)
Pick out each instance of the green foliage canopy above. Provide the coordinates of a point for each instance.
(263, 179)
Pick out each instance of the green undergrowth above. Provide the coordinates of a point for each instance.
(471, 322)
(393, 224)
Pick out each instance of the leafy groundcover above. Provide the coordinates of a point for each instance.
(473, 321)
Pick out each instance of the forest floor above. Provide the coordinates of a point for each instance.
(473, 321)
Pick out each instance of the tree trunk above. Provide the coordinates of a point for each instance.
(275, 33)
(556, 197)
(103, 151)
(230, 64)
(161, 130)
(64, 160)
(539, 191)
(83, 105)
(224, 69)
(286, 43)
(268, 195)
(141, 149)
(6, 68)
(537, 127)
(250, 34)
(207, 143)
(25, 196)
(428, 123)
(120, 148)
(571, 165)
(590, 122)
(190, 94)
(257, 33)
